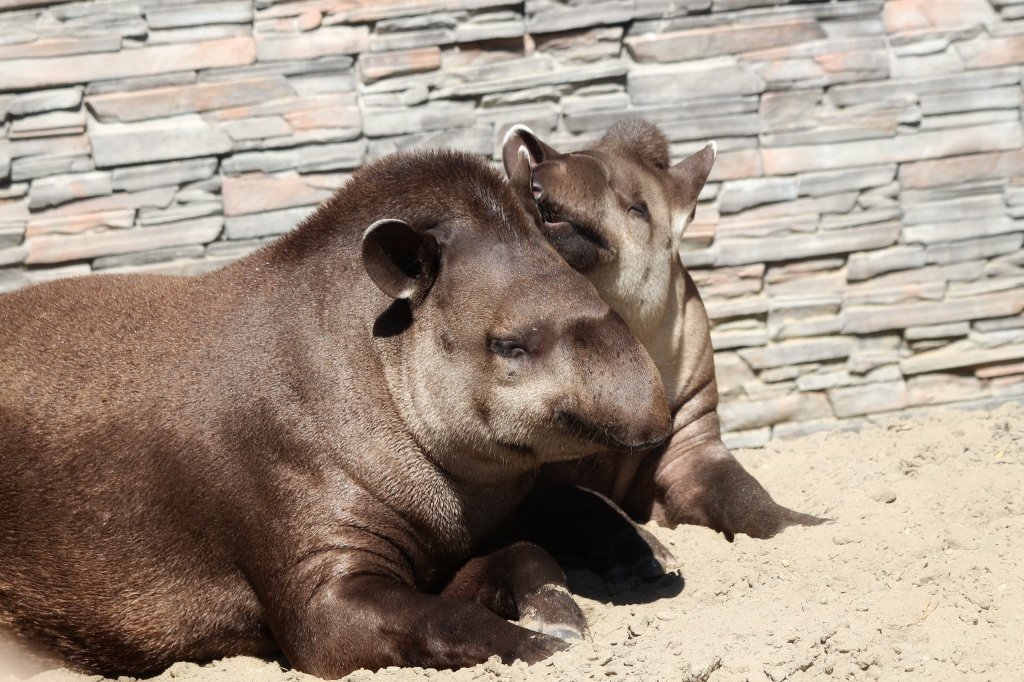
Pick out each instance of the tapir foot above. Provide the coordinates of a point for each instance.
(522, 582)
(534, 649)
(709, 487)
(552, 611)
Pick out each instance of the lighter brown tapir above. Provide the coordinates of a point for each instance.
(295, 453)
(617, 212)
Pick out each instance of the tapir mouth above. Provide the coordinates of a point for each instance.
(573, 421)
(572, 235)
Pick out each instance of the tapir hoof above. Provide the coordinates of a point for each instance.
(551, 610)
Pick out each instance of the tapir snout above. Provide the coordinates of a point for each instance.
(621, 402)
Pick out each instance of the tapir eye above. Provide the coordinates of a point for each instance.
(507, 348)
(639, 209)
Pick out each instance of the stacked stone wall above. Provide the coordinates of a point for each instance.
(858, 246)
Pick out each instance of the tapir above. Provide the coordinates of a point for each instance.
(616, 212)
(294, 454)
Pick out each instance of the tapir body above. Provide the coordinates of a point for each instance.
(617, 212)
(292, 453)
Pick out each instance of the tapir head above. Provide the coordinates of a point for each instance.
(503, 348)
(615, 212)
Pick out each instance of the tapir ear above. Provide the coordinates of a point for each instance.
(401, 261)
(692, 172)
(689, 176)
(521, 150)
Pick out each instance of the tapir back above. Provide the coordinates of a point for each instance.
(100, 395)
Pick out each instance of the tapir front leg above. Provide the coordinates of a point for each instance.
(370, 621)
(698, 481)
(521, 582)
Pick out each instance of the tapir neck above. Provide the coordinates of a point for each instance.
(680, 341)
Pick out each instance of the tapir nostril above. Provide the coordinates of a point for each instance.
(538, 190)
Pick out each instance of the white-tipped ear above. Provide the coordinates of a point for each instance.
(521, 142)
(714, 150)
(518, 130)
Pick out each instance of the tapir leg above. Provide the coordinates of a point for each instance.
(370, 621)
(586, 528)
(521, 582)
(698, 481)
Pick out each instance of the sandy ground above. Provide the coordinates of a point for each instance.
(920, 576)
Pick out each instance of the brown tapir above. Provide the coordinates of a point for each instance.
(617, 214)
(295, 452)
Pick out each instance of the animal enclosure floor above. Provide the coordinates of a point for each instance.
(920, 576)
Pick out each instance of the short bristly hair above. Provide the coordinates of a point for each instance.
(639, 139)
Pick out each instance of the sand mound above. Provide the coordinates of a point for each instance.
(918, 578)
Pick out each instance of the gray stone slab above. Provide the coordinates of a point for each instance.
(965, 119)
(499, 29)
(324, 41)
(960, 230)
(420, 22)
(737, 195)
(265, 224)
(182, 137)
(654, 85)
(131, 84)
(193, 97)
(864, 93)
(855, 218)
(199, 14)
(960, 355)
(48, 124)
(949, 330)
(31, 167)
(12, 232)
(256, 128)
(5, 159)
(196, 33)
(739, 252)
(12, 279)
(13, 255)
(59, 189)
(543, 16)
(831, 182)
(798, 352)
(748, 414)
(44, 100)
(29, 74)
(743, 338)
(730, 39)
(56, 248)
(148, 176)
(1007, 97)
(854, 401)
(582, 74)
(924, 145)
(953, 252)
(870, 319)
(862, 266)
(408, 40)
(579, 122)
(178, 212)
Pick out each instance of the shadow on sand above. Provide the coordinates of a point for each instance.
(632, 591)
